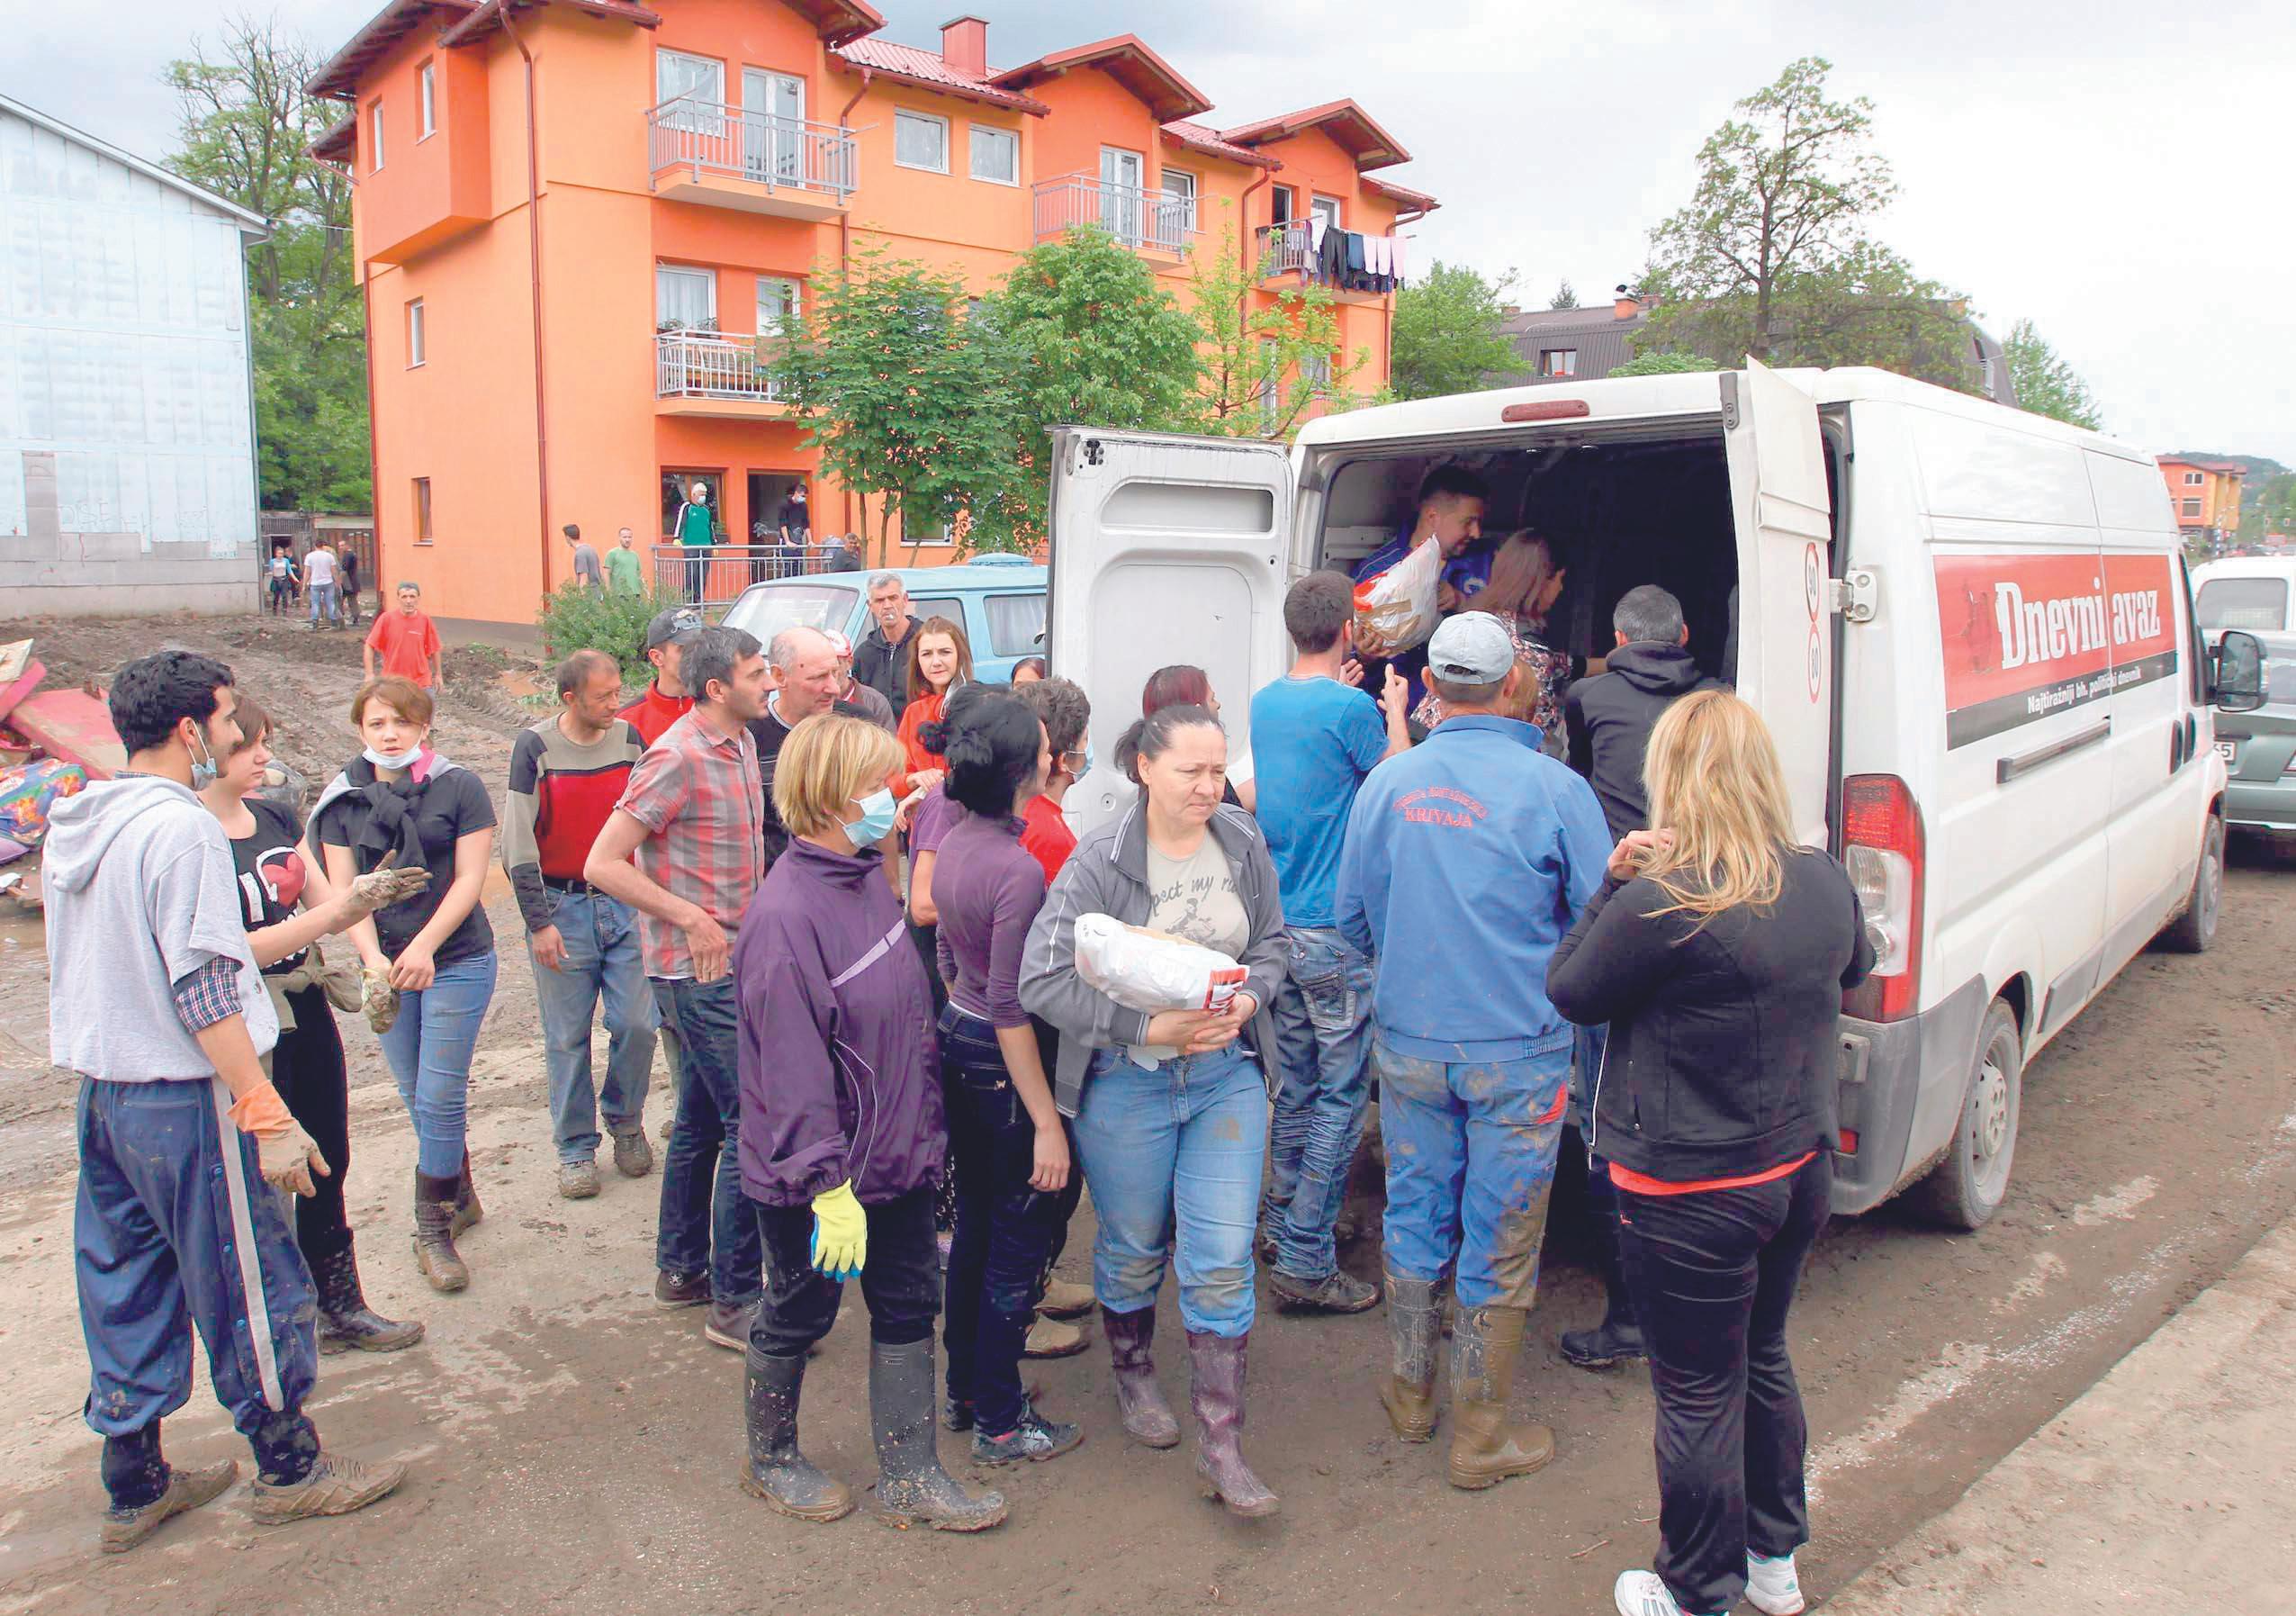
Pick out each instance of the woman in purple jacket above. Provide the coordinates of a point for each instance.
(1010, 1145)
(841, 1080)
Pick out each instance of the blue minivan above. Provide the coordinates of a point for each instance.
(998, 600)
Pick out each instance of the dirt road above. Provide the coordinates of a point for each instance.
(575, 1448)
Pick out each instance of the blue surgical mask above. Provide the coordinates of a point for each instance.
(876, 820)
(204, 772)
(1090, 764)
(393, 760)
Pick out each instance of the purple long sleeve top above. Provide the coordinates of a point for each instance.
(988, 889)
(839, 1069)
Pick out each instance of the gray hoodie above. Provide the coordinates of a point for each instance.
(140, 892)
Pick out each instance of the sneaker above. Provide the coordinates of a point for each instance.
(681, 1287)
(335, 1486)
(728, 1324)
(187, 1490)
(1050, 1338)
(1065, 1299)
(633, 1156)
(577, 1180)
(1643, 1593)
(1035, 1439)
(956, 1414)
(1773, 1585)
(1336, 1292)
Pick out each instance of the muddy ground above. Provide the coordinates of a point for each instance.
(573, 1447)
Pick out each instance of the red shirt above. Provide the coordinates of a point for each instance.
(652, 714)
(925, 709)
(1045, 835)
(406, 644)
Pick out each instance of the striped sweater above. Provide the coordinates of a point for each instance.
(560, 797)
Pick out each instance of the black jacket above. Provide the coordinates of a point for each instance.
(884, 667)
(1723, 1048)
(1608, 719)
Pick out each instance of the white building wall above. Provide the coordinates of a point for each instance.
(127, 436)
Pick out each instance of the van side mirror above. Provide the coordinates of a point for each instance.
(2236, 684)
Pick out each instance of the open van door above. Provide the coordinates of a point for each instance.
(1778, 495)
(1164, 549)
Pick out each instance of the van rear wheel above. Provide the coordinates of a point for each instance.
(2192, 932)
(1967, 1188)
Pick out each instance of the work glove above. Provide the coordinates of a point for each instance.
(288, 1155)
(379, 997)
(385, 885)
(840, 1233)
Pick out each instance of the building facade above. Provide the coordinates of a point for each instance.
(576, 219)
(127, 406)
(2206, 497)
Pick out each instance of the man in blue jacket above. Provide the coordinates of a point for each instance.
(1467, 859)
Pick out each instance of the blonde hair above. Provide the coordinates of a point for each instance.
(828, 761)
(1715, 784)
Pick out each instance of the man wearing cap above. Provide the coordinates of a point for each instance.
(1466, 860)
(870, 704)
(666, 700)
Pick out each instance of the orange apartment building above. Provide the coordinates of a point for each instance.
(2206, 497)
(575, 217)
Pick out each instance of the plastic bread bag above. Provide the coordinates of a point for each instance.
(1143, 969)
(1397, 609)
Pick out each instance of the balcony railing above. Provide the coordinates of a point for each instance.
(709, 138)
(710, 364)
(1145, 221)
(1286, 248)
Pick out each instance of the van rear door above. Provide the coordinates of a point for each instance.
(1784, 513)
(1164, 549)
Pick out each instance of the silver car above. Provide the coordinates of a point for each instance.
(2259, 748)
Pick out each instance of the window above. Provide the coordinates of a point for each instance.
(375, 138)
(2257, 604)
(777, 304)
(1325, 208)
(426, 81)
(997, 155)
(684, 299)
(1315, 370)
(1558, 361)
(2193, 479)
(418, 348)
(675, 483)
(700, 78)
(2191, 508)
(1015, 624)
(921, 141)
(1279, 203)
(1180, 198)
(422, 511)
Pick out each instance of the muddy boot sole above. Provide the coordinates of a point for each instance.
(1474, 1471)
(903, 1519)
(336, 1488)
(187, 1490)
(835, 1508)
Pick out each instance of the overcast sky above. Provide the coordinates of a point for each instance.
(2117, 173)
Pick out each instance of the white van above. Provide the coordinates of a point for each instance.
(1969, 628)
(2256, 592)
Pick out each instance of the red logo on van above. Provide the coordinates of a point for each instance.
(2028, 636)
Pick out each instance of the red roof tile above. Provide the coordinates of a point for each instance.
(929, 70)
(1371, 146)
(1203, 138)
(1129, 61)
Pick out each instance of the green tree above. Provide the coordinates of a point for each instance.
(902, 401)
(1447, 337)
(1265, 366)
(1655, 363)
(1773, 257)
(1084, 334)
(2046, 384)
(1566, 296)
(246, 134)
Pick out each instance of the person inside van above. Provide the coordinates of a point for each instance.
(1449, 511)
(1527, 579)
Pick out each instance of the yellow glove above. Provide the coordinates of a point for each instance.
(840, 1233)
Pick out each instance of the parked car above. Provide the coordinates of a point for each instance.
(997, 600)
(2256, 592)
(2259, 749)
(1972, 639)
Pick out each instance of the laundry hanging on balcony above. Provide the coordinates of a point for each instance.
(1348, 260)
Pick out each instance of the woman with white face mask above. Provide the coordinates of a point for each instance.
(432, 956)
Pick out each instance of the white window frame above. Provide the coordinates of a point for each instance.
(973, 133)
(1566, 369)
(796, 291)
(418, 335)
(663, 56)
(2194, 480)
(1291, 195)
(374, 135)
(2190, 509)
(1193, 196)
(427, 81)
(1334, 207)
(697, 270)
(901, 113)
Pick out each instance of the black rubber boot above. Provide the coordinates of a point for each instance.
(778, 1472)
(344, 1320)
(1216, 1366)
(434, 1251)
(912, 1489)
(1618, 1339)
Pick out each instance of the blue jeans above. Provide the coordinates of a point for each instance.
(1176, 1149)
(429, 1048)
(706, 1222)
(1471, 1154)
(602, 938)
(325, 604)
(1323, 1013)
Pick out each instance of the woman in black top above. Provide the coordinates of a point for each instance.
(286, 905)
(1717, 951)
(400, 800)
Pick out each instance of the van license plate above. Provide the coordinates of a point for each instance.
(2228, 750)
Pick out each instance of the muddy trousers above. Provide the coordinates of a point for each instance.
(900, 1276)
(1470, 1150)
(1713, 1274)
(176, 1231)
(1322, 1012)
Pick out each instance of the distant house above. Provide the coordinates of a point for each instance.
(2206, 496)
(127, 408)
(1564, 345)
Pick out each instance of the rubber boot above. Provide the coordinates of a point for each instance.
(912, 1489)
(434, 1251)
(344, 1320)
(778, 1472)
(1485, 1449)
(1147, 1417)
(1216, 1369)
(468, 1213)
(1414, 1319)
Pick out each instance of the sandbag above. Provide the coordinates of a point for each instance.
(1150, 970)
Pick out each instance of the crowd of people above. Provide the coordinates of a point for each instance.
(1518, 890)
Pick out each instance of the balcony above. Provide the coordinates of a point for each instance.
(1145, 221)
(712, 374)
(723, 157)
(1289, 249)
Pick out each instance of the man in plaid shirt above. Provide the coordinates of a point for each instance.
(693, 819)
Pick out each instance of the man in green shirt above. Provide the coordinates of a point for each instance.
(696, 531)
(625, 571)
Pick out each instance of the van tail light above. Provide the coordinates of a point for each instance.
(1849, 1141)
(1882, 849)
